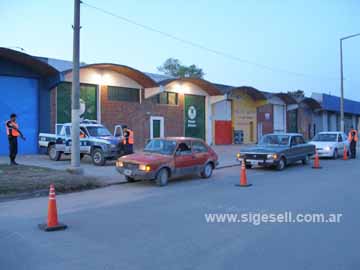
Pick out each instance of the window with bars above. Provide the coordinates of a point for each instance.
(168, 98)
(116, 93)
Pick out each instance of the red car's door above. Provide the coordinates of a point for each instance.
(201, 153)
(185, 160)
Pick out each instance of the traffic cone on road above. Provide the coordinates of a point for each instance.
(316, 161)
(345, 155)
(52, 220)
(243, 178)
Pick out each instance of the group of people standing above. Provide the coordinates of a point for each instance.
(13, 132)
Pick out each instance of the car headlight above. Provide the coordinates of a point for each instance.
(272, 156)
(328, 148)
(143, 167)
(238, 155)
(119, 164)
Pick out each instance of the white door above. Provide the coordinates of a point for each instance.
(279, 118)
(156, 127)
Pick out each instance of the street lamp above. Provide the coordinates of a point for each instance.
(342, 123)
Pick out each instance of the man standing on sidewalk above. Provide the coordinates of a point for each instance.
(13, 132)
(353, 138)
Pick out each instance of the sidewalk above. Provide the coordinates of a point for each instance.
(108, 173)
(227, 154)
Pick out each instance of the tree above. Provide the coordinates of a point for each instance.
(174, 68)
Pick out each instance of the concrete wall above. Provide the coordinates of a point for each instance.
(244, 115)
(305, 121)
(103, 77)
(332, 121)
(222, 110)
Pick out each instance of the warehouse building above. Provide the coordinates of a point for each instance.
(25, 83)
(155, 105)
(152, 105)
(328, 118)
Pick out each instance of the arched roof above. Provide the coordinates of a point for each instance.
(207, 86)
(134, 74)
(287, 98)
(251, 91)
(28, 61)
(312, 103)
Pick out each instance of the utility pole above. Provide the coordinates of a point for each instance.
(75, 94)
(342, 121)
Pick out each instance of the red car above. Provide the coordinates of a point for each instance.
(168, 157)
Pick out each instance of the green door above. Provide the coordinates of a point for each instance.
(88, 102)
(195, 116)
(292, 121)
(156, 128)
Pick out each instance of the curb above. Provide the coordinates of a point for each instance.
(228, 166)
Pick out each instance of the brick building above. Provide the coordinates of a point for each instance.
(152, 105)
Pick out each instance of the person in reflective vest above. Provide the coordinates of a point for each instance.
(353, 138)
(13, 132)
(128, 141)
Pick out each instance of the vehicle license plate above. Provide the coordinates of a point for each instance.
(253, 162)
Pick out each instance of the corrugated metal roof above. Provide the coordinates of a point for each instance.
(158, 77)
(332, 103)
(223, 88)
(29, 61)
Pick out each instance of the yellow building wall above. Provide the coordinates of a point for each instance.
(244, 115)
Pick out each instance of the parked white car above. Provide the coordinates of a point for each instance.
(330, 144)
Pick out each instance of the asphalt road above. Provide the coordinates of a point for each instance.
(141, 226)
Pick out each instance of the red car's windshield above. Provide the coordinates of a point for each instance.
(164, 147)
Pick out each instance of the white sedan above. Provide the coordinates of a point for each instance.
(330, 144)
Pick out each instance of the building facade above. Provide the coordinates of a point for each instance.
(113, 94)
(155, 105)
(329, 118)
(25, 82)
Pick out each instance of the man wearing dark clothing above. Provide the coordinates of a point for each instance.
(353, 138)
(13, 132)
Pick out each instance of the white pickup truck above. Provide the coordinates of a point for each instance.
(95, 141)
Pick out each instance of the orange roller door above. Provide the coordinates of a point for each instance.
(223, 132)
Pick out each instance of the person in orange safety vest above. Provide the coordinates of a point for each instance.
(13, 132)
(128, 140)
(353, 138)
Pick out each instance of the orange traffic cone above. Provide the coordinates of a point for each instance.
(52, 220)
(243, 178)
(345, 155)
(316, 161)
